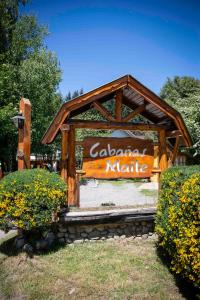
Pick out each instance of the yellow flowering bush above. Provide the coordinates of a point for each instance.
(177, 220)
(30, 198)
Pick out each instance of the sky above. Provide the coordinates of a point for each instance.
(99, 41)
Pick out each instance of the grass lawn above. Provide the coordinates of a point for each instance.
(108, 270)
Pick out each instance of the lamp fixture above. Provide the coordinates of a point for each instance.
(18, 121)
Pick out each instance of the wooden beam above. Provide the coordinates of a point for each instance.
(71, 169)
(114, 125)
(134, 113)
(175, 150)
(162, 150)
(64, 150)
(118, 105)
(105, 113)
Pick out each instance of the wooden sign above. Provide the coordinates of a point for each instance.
(117, 157)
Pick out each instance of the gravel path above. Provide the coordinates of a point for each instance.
(120, 193)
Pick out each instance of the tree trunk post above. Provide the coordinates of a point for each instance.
(163, 150)
(155, 177)
(24, 136)
(64, 150)
(71, 169)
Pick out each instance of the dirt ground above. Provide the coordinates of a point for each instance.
(96, 193)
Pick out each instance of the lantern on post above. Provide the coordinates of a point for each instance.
(18, 121)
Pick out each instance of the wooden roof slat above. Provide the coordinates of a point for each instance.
(136, 97)
(129, 92)
(145, 113)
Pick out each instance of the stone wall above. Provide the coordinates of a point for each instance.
(79, 227)
(79, 234)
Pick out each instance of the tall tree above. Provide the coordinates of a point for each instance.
(28, 70)
(39, 77)
(180, 88)
(9, 13)
(183, 93)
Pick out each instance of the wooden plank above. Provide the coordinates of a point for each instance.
(134, 113)
(122, 167)
(107, 217)
(163, 150)
(118, 105)
(117, 158)
(175, 150)
(71, 169)
(64, 150)
(103, 111)
(24, 136)
(114, 125)
(114, 211)
(112, 144)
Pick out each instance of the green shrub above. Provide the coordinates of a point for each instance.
(30, 198)
(177, 221)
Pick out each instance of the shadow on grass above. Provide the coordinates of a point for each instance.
(8, 248)
(187, 289)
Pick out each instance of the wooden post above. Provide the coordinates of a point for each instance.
(118, 105)
(64, 150)
(163, 150)
(24, 136)
(79, 173)
(71, 169)
(175, 150)
(155, 176)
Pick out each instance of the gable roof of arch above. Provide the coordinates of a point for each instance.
(135, 94)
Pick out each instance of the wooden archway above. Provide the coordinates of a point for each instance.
(160, 117)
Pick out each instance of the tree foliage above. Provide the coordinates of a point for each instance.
(180, 88)
(27, 70)
(9, 13)
(183, 93)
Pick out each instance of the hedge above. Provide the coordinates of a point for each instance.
(177, 220)
(30, 198)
